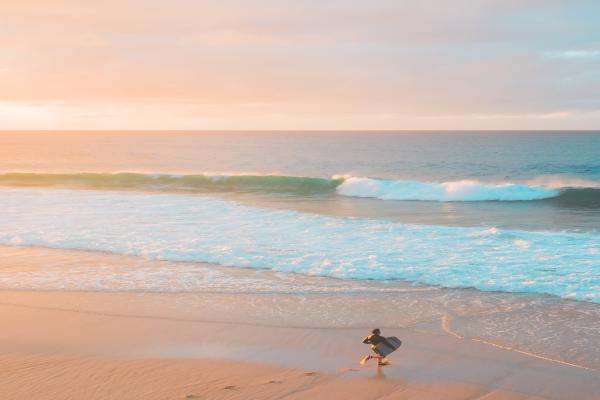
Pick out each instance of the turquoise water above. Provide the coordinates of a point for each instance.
(188, 228)
(494, 211)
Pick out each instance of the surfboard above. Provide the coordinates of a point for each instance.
(385, 350)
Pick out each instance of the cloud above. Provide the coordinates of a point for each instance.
(292, 64)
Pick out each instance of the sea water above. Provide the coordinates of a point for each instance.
(495, 211)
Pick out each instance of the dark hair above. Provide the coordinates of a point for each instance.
(376, 331)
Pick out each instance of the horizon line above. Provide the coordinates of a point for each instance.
(302, 130)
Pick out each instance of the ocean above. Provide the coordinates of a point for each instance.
(492, 236)
(511, 212)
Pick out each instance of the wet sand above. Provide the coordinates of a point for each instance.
(68, 345)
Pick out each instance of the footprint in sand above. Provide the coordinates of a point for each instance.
(193, 396)
(231, 387)
(311, 373)
(273, 381)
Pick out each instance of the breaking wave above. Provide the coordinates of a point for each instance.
(465, 190)
(569, 190)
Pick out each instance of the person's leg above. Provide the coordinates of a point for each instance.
(382, 360)
(379, 357)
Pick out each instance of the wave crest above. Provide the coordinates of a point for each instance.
(464, 190)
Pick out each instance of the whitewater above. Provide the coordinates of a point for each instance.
(194, 228)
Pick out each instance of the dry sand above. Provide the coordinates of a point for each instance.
(59, 345)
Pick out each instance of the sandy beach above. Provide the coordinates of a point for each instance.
(247, 341)
(60, 345)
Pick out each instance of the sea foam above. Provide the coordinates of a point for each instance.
(201, 229)
(464, 190)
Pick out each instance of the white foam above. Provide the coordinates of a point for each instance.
(464, 190)
(192, 228)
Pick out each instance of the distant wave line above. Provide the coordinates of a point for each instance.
(540, 188)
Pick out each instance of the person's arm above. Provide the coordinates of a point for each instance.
(367, 340)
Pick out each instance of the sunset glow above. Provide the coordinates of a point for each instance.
(239, 64)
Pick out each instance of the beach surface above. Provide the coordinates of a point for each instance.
(70, 345)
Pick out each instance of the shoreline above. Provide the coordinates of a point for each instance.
(109, 336)
(389, 284)
(544, 327)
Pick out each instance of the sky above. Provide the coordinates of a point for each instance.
(299, 64)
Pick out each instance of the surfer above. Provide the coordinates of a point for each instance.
(375, 340)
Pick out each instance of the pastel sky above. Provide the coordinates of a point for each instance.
(299, 64)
